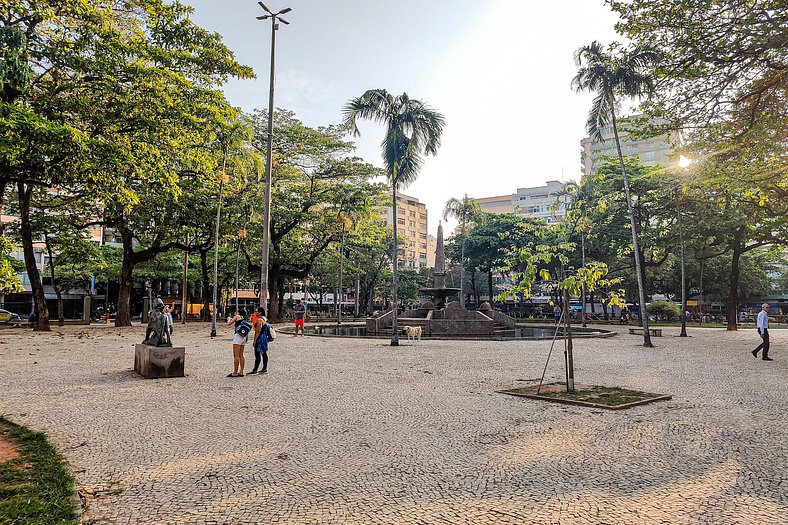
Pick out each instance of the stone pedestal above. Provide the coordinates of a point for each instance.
(159, 361)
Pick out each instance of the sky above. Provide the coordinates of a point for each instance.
(498, 70)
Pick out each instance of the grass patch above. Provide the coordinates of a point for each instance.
(588, 395)
(35, 488)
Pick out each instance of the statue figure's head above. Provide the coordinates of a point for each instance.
(158, 304)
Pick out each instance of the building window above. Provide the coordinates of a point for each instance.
(401, 221)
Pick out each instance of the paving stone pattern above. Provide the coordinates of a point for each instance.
(354, 431)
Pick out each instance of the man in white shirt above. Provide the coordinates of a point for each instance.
(763, 329)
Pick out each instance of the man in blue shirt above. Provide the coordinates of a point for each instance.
(763, 329)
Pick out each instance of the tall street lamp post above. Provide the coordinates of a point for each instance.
(269, 147)
(684, 163)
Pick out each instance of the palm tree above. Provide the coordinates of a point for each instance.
(464, 211)
(413, 129)
(613, 74)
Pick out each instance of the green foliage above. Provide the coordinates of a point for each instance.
(410, 281)
(664, 309)
(538, 261)
(9, 276)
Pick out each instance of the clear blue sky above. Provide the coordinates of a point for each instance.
(499, 71)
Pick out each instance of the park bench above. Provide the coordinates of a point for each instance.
(654, 332)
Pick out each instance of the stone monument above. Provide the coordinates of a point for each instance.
(439, 292)
(436, 317)
(155, 357)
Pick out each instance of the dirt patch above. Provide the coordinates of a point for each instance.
(8, 449)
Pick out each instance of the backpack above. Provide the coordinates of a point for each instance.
(243, 328)
(271, 333)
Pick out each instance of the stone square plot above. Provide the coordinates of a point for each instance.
(594, 396)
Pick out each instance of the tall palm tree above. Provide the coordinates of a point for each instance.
(464, 211)
(615, 74)
(413, 130)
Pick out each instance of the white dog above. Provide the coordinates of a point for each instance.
(414, 332)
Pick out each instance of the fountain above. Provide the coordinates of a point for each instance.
(436, 317)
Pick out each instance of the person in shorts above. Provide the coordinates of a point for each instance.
(299, 312)
(239, 341)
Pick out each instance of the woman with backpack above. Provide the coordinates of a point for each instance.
(262, 336)
(242, 328)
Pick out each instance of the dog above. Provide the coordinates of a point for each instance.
(414, 332)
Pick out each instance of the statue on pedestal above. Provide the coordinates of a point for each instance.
(157, 333)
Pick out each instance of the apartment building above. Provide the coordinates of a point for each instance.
(412, 237)
(540, 202)
(650, 151)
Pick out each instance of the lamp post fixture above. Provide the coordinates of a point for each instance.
(269, 147)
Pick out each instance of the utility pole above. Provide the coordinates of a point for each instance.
(268, 153)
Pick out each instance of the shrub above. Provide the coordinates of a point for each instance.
(664, 310)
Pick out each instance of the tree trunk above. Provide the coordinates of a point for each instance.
(395, 255)
(733, 291)
(636, 247)
(473, 288)
(58, 291)
(205, 315)
(274, 310)
(123, 314)
(642, 278)
(570, 360)
(26, 234)
(490, 285)
(281, 292)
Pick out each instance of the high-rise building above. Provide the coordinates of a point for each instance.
(412, 241)
(650, 151)
(541, 202)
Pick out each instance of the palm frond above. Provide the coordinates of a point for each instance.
(374, 105)
(600, 116)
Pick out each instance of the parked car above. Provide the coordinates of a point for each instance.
(9, 317)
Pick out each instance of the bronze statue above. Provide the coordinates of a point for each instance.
(157, 333)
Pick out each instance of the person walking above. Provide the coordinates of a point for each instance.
(763, 330)
(299, 312)
(260, 341)
(242, 328)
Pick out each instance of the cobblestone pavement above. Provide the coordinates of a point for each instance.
(354, 431)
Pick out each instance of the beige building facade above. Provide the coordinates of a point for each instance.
(652, 151)
(541, 202)
(412, 237)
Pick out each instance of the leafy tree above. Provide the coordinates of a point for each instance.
(722, 81)
(412, 130)
(614, 74)
(538, 261)
(492, 242)
(717, 57)
(314, 182)
(117, 90)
